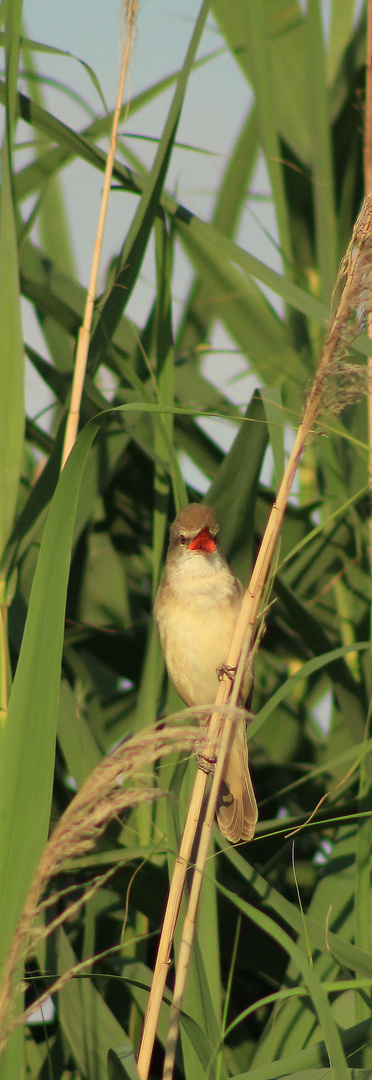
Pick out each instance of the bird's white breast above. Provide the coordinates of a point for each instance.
(196, 610)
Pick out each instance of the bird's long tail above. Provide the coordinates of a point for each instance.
(237, 808)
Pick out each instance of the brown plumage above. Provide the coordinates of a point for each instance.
(196, 610)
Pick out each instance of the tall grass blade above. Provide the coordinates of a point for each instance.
(11, 338)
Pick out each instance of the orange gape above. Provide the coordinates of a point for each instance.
(203, 542)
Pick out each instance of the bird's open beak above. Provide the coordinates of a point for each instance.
(203, 541)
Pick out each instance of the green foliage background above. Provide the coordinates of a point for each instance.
(281, 976)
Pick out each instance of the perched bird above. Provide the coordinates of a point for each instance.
(196, 611)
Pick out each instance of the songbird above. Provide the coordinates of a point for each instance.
(196, 611)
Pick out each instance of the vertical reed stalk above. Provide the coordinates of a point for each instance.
(85, 330)
(241, 645)
(334, 385)
(367, 188)
(243, 639)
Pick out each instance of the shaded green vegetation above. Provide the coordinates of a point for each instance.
(275, 989)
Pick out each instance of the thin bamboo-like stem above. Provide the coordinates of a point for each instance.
(241, 645)
(332, 369)
(367, 188)
(368, 105)
(244, 633)
(175, 896)
(85, 330)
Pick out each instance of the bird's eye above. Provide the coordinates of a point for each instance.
(182, 539)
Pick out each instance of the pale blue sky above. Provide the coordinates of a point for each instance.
(216, 103)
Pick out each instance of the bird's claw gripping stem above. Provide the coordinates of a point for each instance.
(224, 669)
(205, 764)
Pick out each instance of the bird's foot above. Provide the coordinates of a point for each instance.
(205, 764)
(224, 669)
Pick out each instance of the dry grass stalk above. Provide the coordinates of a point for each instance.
(176, 888)
(85, 330)
(102, 797)
(168, 928)
(368, 105)
(367, 188)
(335, 385)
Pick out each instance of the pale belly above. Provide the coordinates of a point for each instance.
(196, 644)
